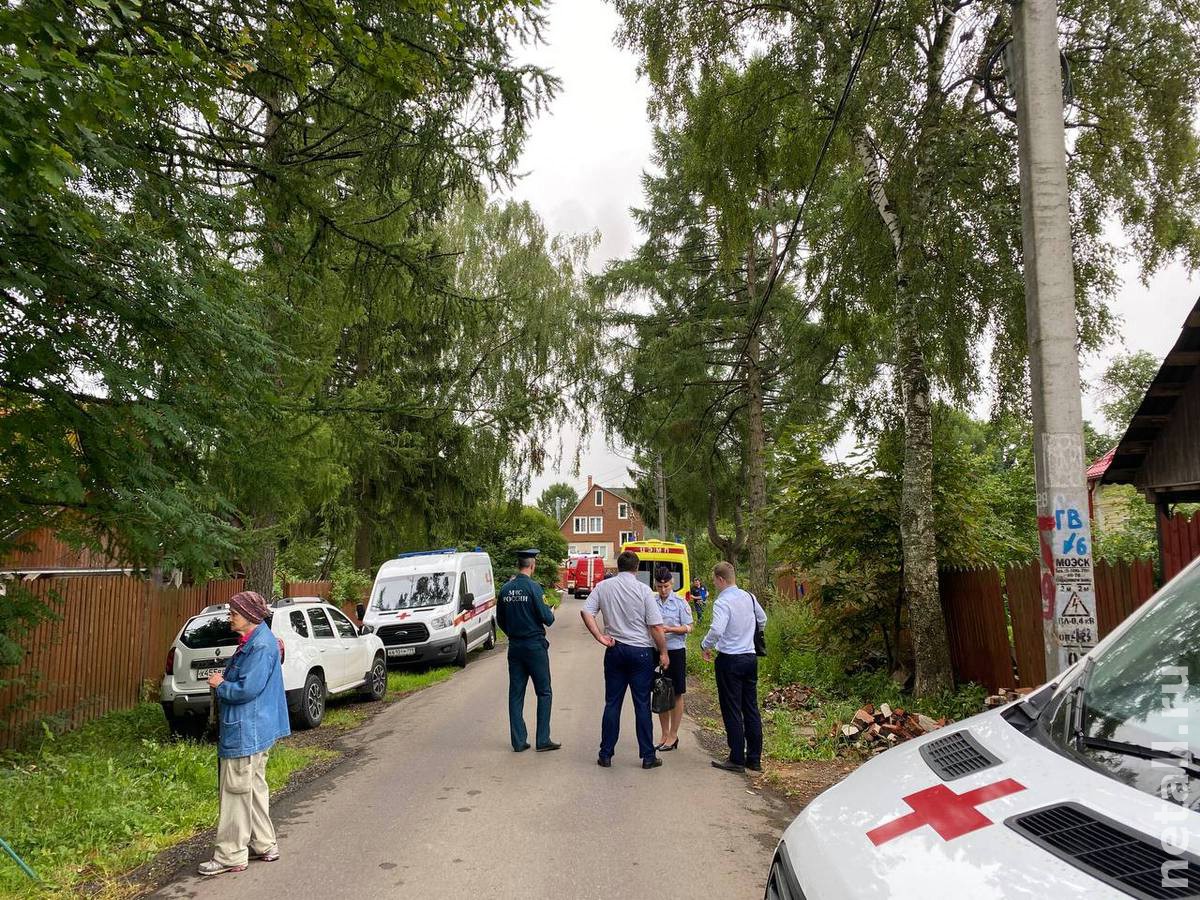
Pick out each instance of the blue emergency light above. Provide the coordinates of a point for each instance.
(426, 553)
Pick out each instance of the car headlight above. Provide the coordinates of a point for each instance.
(440, 622)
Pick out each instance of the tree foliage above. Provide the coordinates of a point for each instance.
(558, 499)
(249, 290)
(838, 522)
(1123, 386)
(915, 221)
(508, 527)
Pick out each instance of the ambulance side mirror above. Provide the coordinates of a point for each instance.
(468, 601)
(361, 611)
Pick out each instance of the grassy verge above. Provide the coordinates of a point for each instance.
(814, 733)
(91, 804)
(405, 682)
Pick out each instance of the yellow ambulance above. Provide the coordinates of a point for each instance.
(667, 554)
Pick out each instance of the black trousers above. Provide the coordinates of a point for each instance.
(737, 690)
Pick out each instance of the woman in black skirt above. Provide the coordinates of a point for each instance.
(677, 622)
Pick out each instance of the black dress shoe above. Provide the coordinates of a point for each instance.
(755, 766)
(666, 748)
(651, 763)
(727, 766)
(605, 761)
(545, 748)
(520, 749)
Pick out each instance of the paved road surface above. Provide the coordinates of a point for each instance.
(437, 805)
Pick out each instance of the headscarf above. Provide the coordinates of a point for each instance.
(250, 605)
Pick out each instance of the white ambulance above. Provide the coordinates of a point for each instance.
(433, 606)
(1085, 789)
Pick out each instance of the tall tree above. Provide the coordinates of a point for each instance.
(920, 191)
(714, 367)
(558, 500)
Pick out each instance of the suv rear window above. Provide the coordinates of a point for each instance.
(299, 623)
(212, 630)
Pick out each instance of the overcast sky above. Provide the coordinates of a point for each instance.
(583, 167)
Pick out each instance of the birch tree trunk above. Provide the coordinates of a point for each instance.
(917, 535)
(918, 538)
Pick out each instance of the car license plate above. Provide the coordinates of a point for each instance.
(402, 651)
(203, 674)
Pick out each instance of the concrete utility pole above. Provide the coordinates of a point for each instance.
(662, 497)
(1064, 529)
(558, 510)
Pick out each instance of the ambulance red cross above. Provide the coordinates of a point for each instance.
(1087, 788)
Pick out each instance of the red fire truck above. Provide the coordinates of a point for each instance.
(583, 574)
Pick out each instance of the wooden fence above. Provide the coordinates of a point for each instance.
(1179, 538)
(110, 636)
(975, 603)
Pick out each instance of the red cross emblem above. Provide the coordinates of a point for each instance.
(951, 815)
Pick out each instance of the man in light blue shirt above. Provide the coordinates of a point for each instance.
(633, 638)
(736, 615)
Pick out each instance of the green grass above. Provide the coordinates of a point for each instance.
(343, 718)
(91, 804)
(406, 681)
(796, 657)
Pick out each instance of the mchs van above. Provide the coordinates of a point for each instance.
(433, 606)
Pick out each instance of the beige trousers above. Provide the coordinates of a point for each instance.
(245, 820)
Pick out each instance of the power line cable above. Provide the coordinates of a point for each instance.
(872, 24)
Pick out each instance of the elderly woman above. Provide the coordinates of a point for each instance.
(253, 717)
(677, 622)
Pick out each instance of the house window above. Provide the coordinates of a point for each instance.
(628, 537)
(572, 550)
(599, 549)
(596, 525)
(580, 525)
(599, 498)
(622, 510)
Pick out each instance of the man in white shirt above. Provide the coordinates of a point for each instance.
(633, 632)
(736, 615)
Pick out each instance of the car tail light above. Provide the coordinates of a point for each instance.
(170, 661)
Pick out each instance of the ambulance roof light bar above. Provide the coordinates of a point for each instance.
(413, 553)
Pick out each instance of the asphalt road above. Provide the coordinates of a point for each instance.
(437, 805)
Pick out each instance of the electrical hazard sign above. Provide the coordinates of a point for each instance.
(1075, 608)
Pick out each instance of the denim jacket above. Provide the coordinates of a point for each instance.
(253, 707)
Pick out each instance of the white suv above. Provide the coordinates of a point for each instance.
(323, 653)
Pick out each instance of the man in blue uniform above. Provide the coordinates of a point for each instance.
(523, 615)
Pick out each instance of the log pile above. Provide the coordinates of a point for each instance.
(873, 730)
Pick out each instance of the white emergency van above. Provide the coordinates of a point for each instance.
(1087, 788)
(433, 606)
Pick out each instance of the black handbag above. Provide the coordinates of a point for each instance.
(662, 698)
(760, 637)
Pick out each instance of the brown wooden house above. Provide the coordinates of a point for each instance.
(602, 520)
(1160, 451)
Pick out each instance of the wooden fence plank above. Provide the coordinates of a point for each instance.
(974, 608)
(1023, 589)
